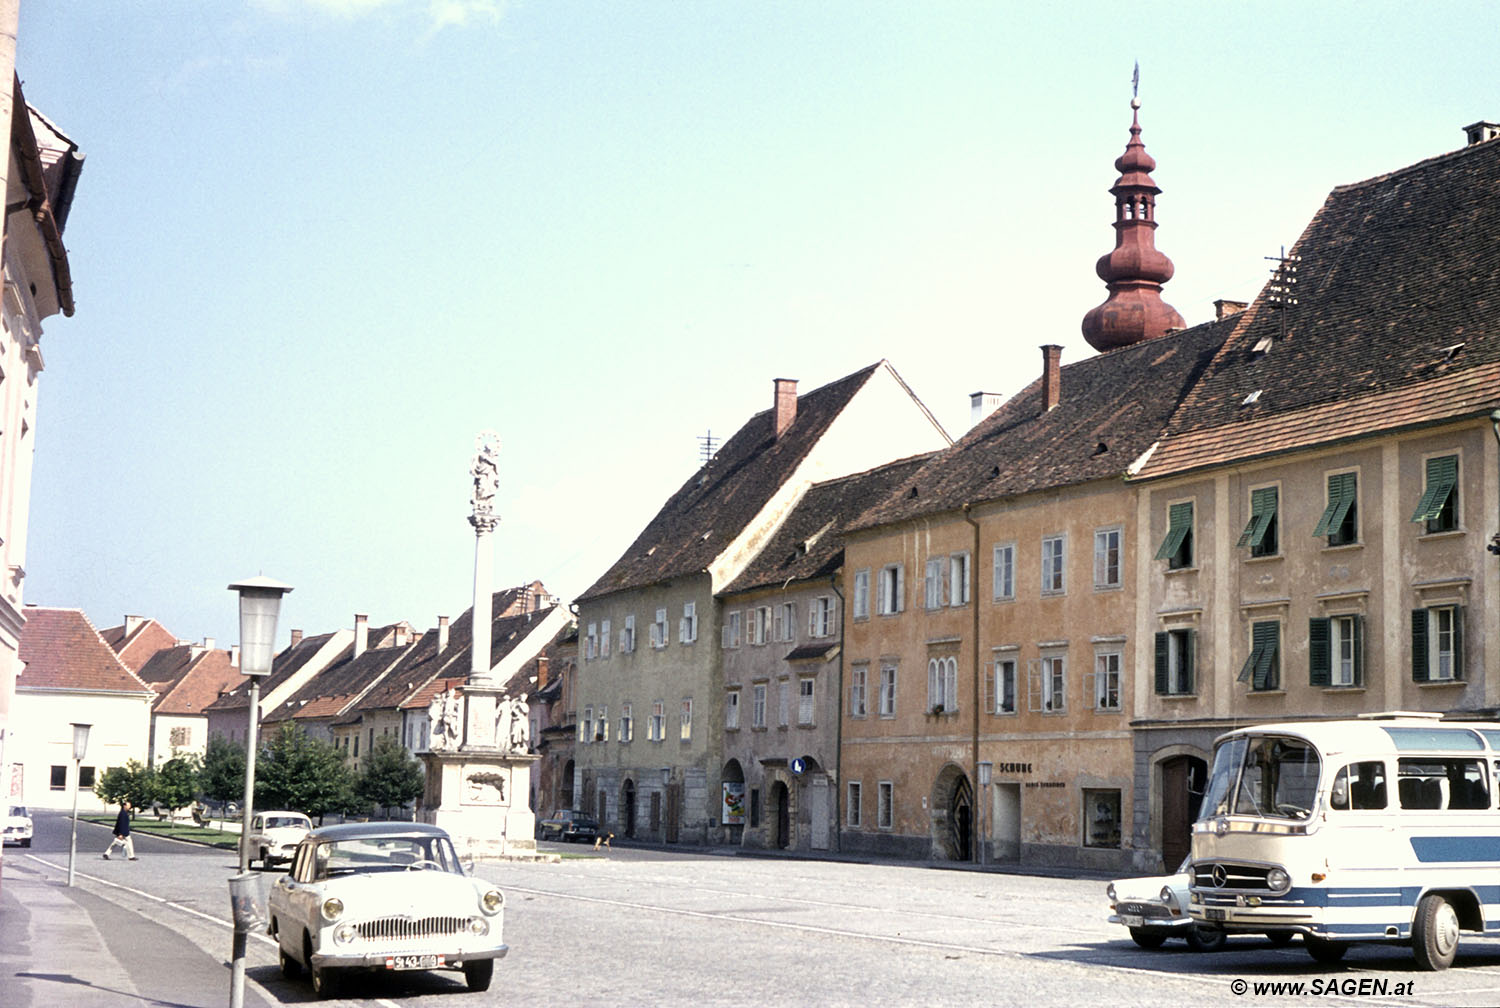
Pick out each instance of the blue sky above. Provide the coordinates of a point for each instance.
(318, 246)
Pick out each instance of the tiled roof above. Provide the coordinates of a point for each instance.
(704, 516)
(810, 542)
(283, 667)
(61, 650)
(1112, 408)
(137, 647)
(334, 688)
(195, 682)
(1395, 272)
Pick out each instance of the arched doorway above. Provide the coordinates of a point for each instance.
(953, 815)
(565, 790)
(1182, 781)
(627, 807)
(781, 810)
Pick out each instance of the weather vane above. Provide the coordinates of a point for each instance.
(1135, 81)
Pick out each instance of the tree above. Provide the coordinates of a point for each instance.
(390, 777)
(297, 771)
(223, 776)
(177, 781)
(134, 780)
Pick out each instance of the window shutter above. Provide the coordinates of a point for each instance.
(1458, 641)
(1163, 671)
(991, 671)
(1419, 672)
(1319, 652)
(1359, 650)
(1442, 473)
(1267, 639)
(899, 603)
(1189, 659)
(950, 685)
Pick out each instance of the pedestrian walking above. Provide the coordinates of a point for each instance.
(122, 832)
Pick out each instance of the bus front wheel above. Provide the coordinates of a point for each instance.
(1434, 933)
(1324, 950)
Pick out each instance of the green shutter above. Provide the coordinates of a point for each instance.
(1190, 650)
(1419, 671)
(1359, 650)
(1442, 474)
(1341, 489)
(1179, 524)
(1262, 510)
(1319, 652)
(1266, 637)
(1163, 673)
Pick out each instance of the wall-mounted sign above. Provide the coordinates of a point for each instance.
(798, 765)
(734, 803)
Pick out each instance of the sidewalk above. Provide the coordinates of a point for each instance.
(67, 946)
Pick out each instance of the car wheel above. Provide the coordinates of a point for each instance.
(1324, 950)
(290, 967)
(1205, 939)
(265, 862)
(1434, 933)
(324, 981)
(1147, 939)
(26, 842)
(1280, 939)
(477, 973)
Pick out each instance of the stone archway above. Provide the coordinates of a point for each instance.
(952, 803)
(627, 807)
(781, 815)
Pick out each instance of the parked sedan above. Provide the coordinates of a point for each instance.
(1155, 908)
(17, 825)
(274, 836)
(569, 824)
(384, 896)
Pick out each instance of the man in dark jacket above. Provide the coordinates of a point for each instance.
(122, 832)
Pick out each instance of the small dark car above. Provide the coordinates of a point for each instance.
(569, 824)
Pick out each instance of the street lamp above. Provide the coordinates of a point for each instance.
(80, 748)
(260, 604)
(986, 771)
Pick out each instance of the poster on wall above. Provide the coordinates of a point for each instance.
(734, 803)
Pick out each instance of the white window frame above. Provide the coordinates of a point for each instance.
(1055, 564)
(601, 725)
(861, 594)
(854, 805)
(786, 622)
(1343, 656)
(758, 705)
(687, 627)
(759, 630)
(888, 684)
(820, 617)
(591, 642)
(685, 727)
(627, 725)
(1048, 684)
(859, 678)
(656, 728)
(731, 633)
(885, 805)
(958, 579)
(732, 710)
(659, 630)
(932, 583)
(806, 700)
(627, 635)
(1006, 668)
(1108, 674)
(942, 684)
(783, 701)
(1003, 574)
(1106, 555)
(891, 593)
(586, 726)
(604, 632)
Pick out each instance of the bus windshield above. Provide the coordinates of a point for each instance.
(1272, 777)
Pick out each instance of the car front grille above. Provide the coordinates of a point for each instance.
(412, 928)
(1140, 909)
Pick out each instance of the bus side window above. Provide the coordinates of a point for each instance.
(1368, 788)
(1466, 787)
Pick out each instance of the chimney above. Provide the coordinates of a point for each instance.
(234, 655)
(361, 633)
(296, 637)
(785, 404)
(1478, 133)
(132, 623)
(541, 671)
(209, 643)
(442, 634)
(1223, 308)
(982, 404)
(401, 631)
(1051, 376)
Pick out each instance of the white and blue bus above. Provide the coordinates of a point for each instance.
(1378, 829)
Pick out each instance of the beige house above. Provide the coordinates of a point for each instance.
(650, 716)
(1315, 520)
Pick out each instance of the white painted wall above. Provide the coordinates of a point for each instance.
(41, 737)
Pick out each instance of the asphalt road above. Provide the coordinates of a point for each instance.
(650, 927)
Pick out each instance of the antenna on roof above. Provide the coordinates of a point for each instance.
(708, 446)
(1281, 294)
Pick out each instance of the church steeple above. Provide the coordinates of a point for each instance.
(1135, 270)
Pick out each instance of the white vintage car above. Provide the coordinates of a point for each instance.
(1155, 908)
(274, 836)
(384, 896)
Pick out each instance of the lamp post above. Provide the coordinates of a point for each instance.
(986, 771)
(260, 605)
(80, 748)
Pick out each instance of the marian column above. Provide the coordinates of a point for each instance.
(486, 473)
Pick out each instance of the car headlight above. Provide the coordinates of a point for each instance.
(1168, 897)
(345, 933)
(492, 901)
(1110, 892)
(479, 926)
(1278, 881)
(333, 908)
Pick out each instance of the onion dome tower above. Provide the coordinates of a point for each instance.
(1135, 270)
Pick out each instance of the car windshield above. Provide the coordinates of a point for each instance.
(20, 810)
(280, 822)
(380, 854)
(1270, 776)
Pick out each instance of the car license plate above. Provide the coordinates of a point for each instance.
(413, 962)
(1213, 913)
(1132, 920)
